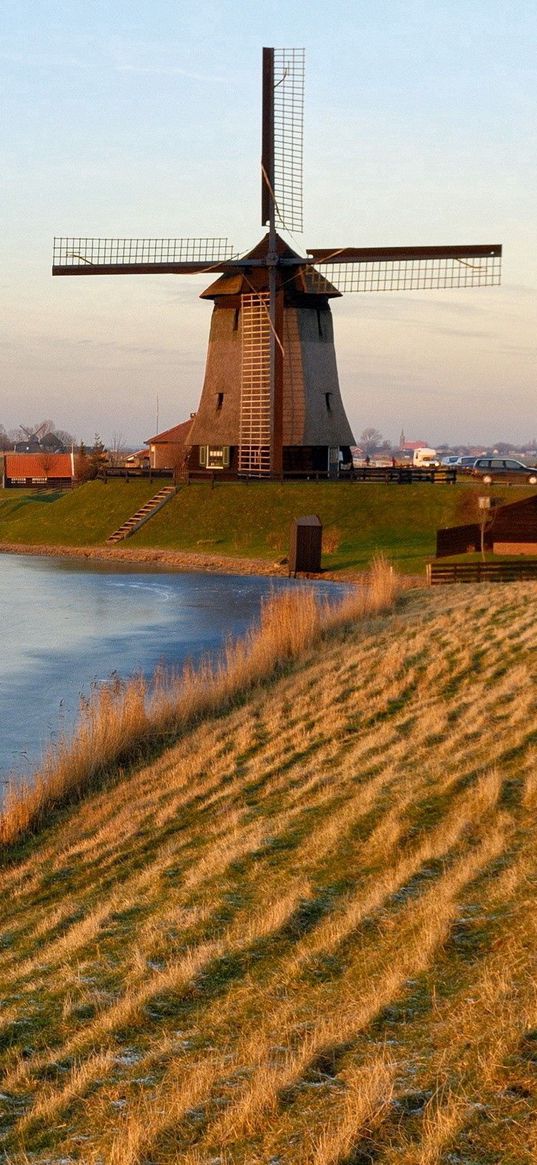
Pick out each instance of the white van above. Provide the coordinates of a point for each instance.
(423, 458)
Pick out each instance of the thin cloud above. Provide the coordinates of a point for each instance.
(168, 71)
(50, 60)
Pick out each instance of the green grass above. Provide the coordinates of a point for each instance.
(358, 520)
(253, 520)
(476, 556)
(80, 517)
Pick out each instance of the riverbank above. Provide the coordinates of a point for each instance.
(244, 528)
(70, 624)
(167, 559)
(125, 719)
(306, 931)
(177, 560)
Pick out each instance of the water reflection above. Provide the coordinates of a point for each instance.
(68, 623)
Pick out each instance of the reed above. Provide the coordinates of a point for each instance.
(304, 933)
(125, 722)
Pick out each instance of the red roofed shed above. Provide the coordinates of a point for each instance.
(32, 470)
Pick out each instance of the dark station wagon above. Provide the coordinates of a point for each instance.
(503, 469)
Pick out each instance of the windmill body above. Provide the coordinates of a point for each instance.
(271, 404)
(312, 415)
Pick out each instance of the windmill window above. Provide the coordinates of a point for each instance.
(319, 323)
(216, 456)
(328, 399)
(219, 401)
(236, 318)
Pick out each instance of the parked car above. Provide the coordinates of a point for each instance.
(451, 459)
(465, 462)
(504, 469)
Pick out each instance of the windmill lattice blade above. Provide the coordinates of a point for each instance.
(288, 137)
(255, 410)
(84, 252)
(411, 269)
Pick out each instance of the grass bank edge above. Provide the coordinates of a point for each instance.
(125, 723)
(239, 521)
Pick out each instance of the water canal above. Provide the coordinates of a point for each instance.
(68, 624)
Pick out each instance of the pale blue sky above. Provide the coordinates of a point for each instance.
(143, 118)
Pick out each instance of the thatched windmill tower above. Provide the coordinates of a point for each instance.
(234, 410)
(271, 403)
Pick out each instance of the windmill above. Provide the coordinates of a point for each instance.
(34, 437)
(271, 403)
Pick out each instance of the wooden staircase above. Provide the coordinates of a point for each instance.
(143, 514)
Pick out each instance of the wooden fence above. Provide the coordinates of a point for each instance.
(402, 474)
(475, 572)
(387, 474)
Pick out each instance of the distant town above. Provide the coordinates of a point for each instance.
(165, 450)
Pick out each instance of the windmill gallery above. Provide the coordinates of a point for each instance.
(270, 404)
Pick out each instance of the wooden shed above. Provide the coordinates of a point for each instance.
(306, 545)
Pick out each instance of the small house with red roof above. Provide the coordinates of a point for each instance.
(169, 449)
(39, 470)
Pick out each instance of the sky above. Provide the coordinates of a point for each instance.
(142, 118)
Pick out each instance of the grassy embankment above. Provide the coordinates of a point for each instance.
(81, 517)
(253, 520)
(305, 934)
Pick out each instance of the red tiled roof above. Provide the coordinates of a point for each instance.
(175, 436)
(38, 465)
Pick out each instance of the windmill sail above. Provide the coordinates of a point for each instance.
(409, 268)
(270, 404)
(283, 134)
(85, 256)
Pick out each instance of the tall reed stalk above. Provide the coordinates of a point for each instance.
(124, 722)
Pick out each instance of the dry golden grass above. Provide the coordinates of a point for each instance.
(123, 721)
(305, 933)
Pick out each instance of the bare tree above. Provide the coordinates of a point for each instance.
(370, 440)
(66, 439)
(45, 462)
(117, 449)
